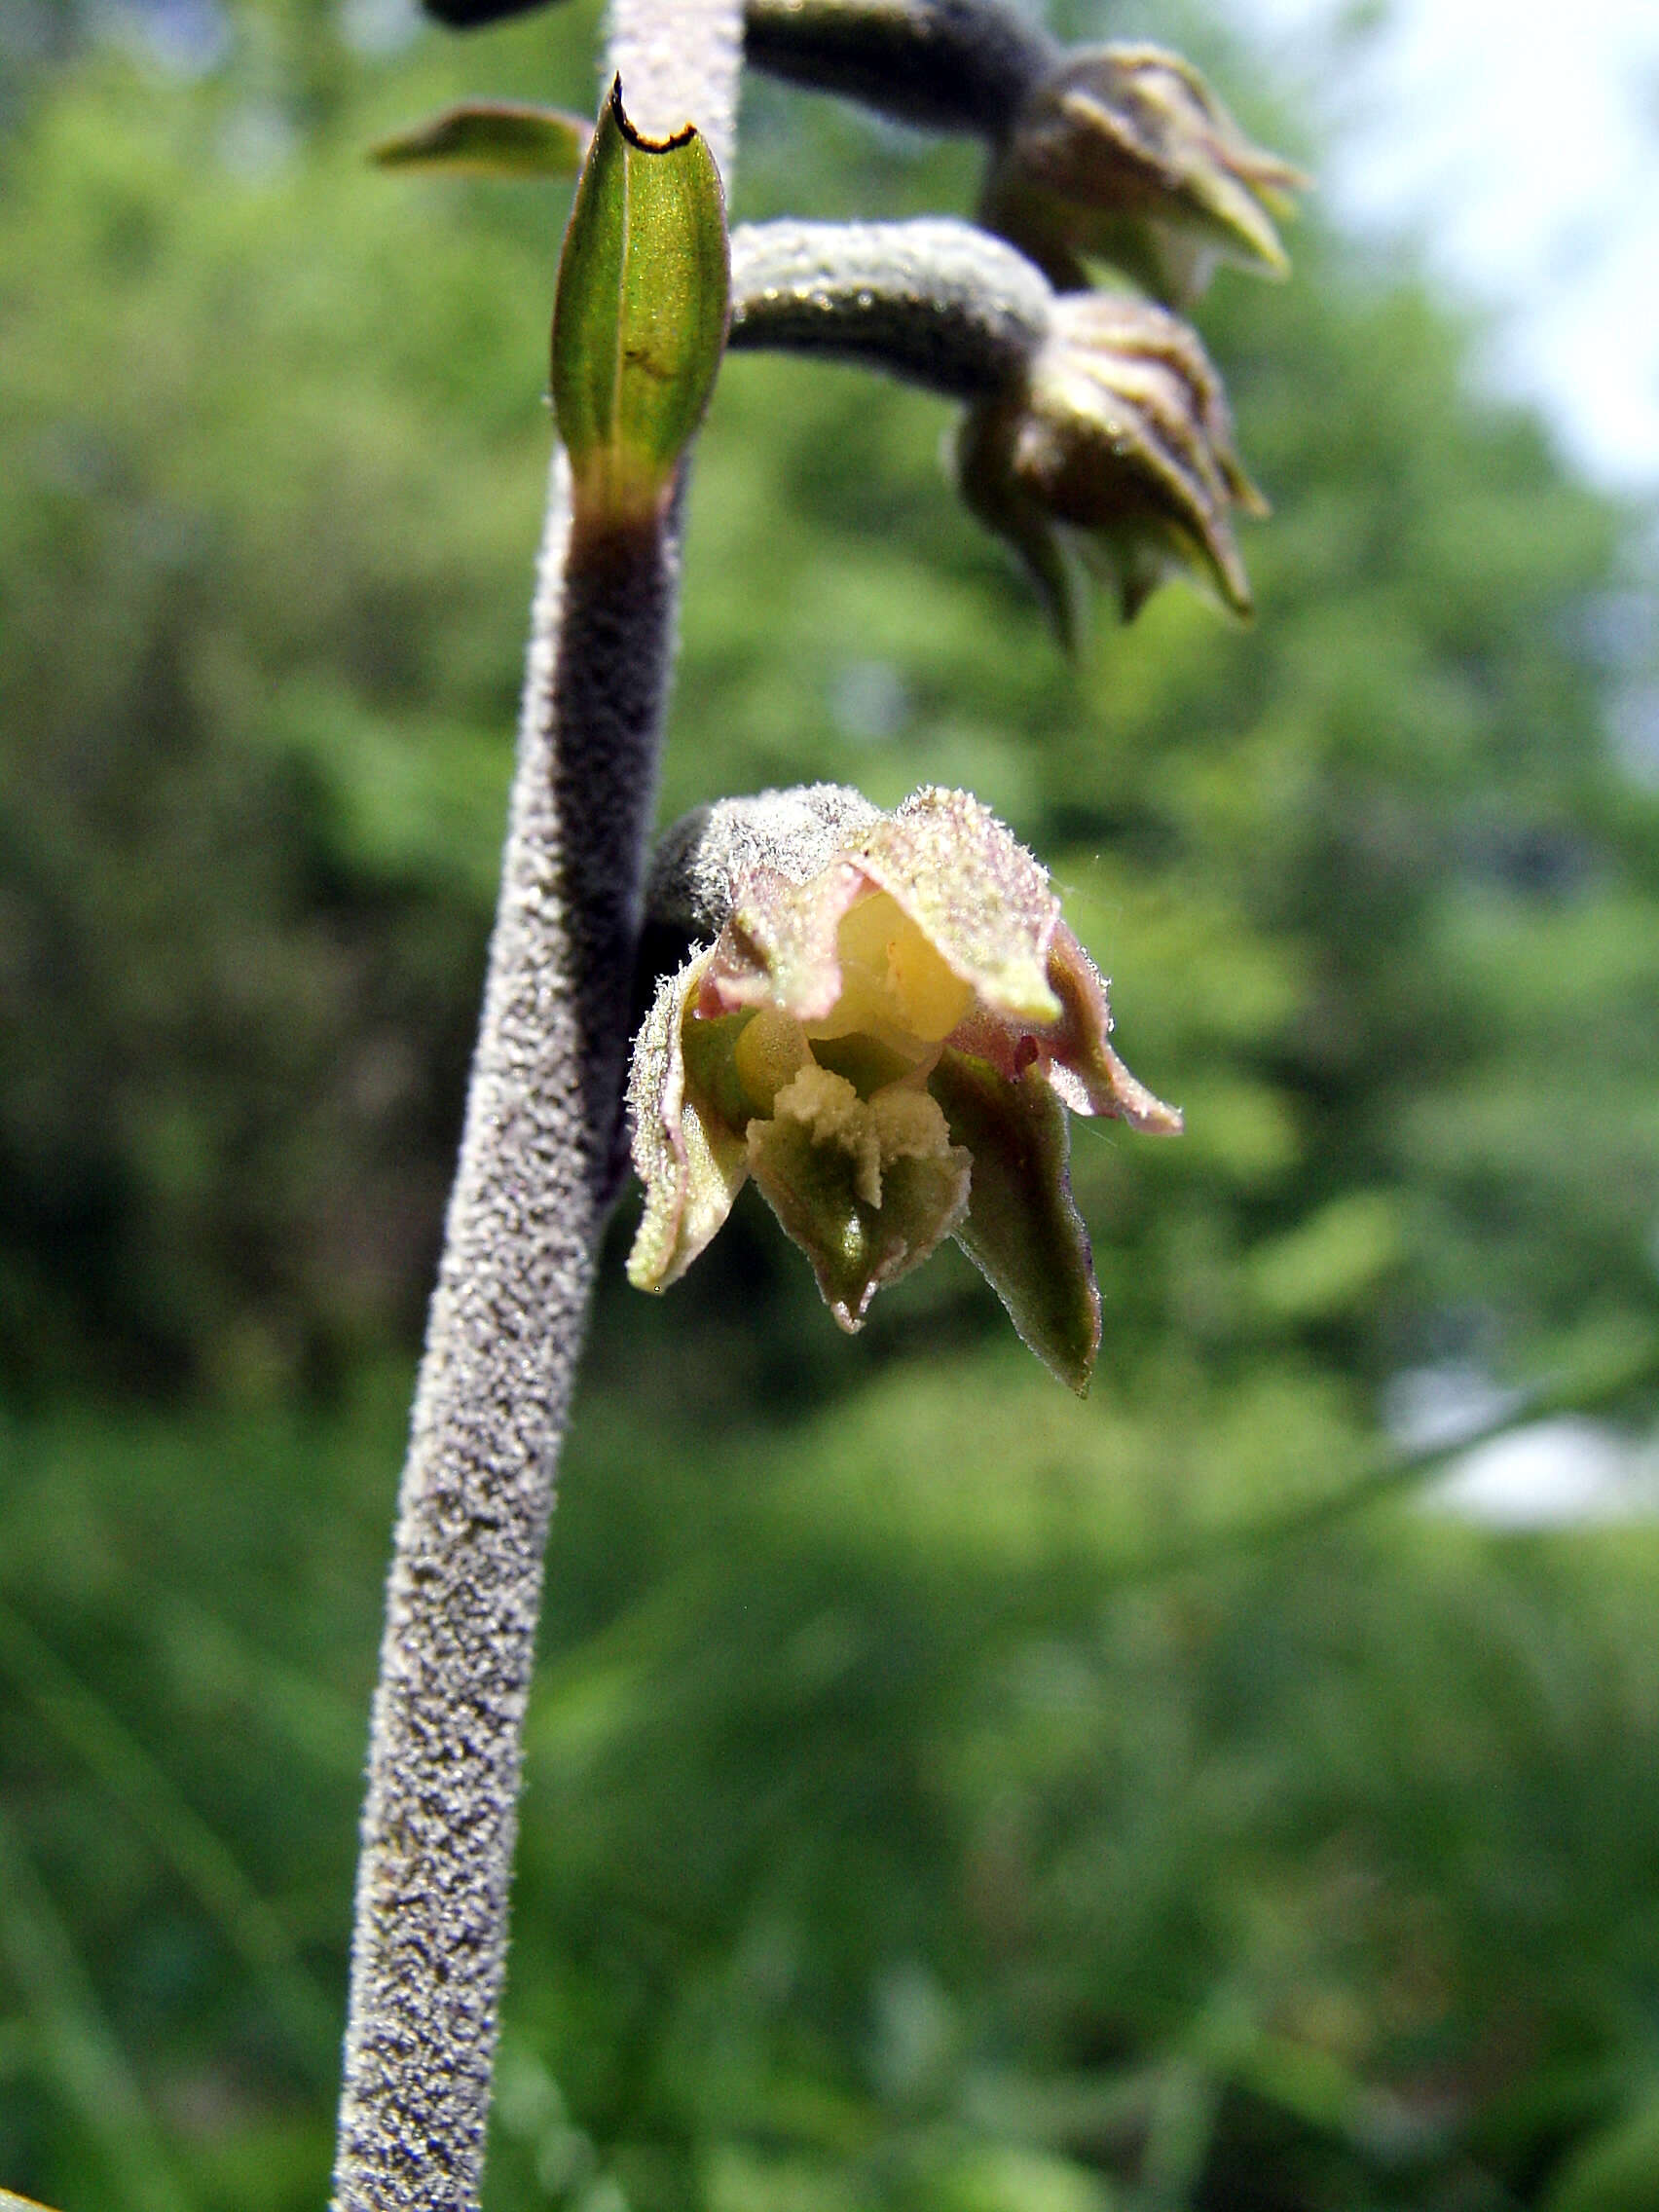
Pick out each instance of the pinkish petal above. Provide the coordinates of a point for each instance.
(973, 889)
(779, 948)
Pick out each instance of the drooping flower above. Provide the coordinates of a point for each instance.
(1125, 155)
(885, 1032)
(1116, 449)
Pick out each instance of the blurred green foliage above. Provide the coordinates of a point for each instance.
(898, 1831)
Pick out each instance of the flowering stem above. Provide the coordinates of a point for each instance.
(938, 303)
(509, 1314)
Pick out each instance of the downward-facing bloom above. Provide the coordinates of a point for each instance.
(1116, 448)
(885, 1033)
(1125, 155)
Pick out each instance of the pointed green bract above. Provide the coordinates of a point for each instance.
(492, 138)
(1024, 1232)
(640, 322)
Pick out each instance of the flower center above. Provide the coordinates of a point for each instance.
(899, 1002)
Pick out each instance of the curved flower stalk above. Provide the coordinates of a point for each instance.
(1117, 153)
(935, 301)
(885, 1032)
(944, 65)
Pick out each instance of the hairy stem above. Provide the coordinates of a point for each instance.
(935, 302)
(534, 1177)
(948, 64)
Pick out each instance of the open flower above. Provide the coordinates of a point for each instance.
(885, 1033)
(1116, 449)
(1125, 155)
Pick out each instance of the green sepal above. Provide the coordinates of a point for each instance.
(690, 1159)
(504, 138)
(1023, 1228)
(639, 320)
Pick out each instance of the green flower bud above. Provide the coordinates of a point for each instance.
(1125, 155)
(1117, 447)
(639, 318)
(885, 1033)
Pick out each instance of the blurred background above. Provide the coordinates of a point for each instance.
(943, 1796)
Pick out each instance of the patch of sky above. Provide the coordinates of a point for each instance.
(1519, 152)
(1551, 1474)
(379, 27)
(188, 38)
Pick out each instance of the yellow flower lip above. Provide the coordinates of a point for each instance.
(771, 1052)
(897, 992)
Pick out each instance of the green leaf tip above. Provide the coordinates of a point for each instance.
(639, 320)
(504, 138)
